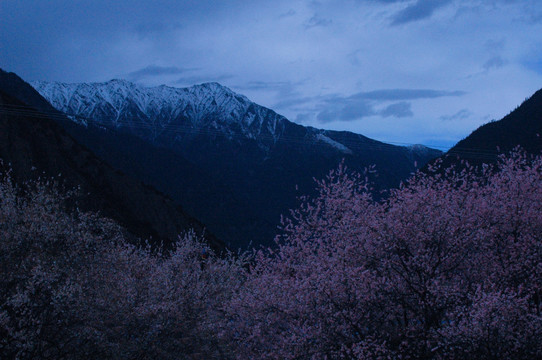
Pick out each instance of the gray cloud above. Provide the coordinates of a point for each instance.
(333, 108)
(398, 110)
(347, 111)
(532, 14)
(293, 101)
(382, 1)
(421, 9)
(326, 116)
(155, 28)
(357, 106)
(355, 110)
(353, 57)
(495, 46)
(265, 85)
(534, 65)
(535, 17)
(286, 93)
(405, 94)
(317, 21)
(198, 79)
(303, 118)
(494, 63)
(289, 13)
(460, 115)
(155, 70)
(529, 10)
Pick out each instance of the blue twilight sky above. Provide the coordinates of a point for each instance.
(401, 71)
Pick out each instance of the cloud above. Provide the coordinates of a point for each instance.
(381, 1)
(460, 115)
(326, 116)
(532, 13)
(360, 105)
(353, 57)
(289, 13)
(345, 110)
(421, 9)
(303, 118)
(316, 21)
(284, 94)
(532, 59)
(198, 79)
(495, 46)
(494, 63)
(405, 94)
(155, 70)
(534, 65)
(356, 110)
(265, 85)
(293, 101)
(398, 110)
(155, 28)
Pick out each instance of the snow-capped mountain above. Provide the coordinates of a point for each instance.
(151, 111)
(232, 163)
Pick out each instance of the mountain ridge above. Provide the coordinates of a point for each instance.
(207, 105)
(254, 162)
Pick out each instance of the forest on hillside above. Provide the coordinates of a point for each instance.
(449, 266)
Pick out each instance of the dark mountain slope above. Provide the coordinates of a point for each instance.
(16, 87)
(199, 192)
(522, 127)
(32, 145)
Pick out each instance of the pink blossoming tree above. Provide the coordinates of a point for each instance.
(423, 275)
(447, 267)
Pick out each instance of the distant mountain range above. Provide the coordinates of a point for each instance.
(32, 144)
(230, 163)
(233, 164)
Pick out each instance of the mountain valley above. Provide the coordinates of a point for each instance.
(233, 164)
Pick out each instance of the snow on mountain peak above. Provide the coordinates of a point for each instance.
(333, 143)
(121, 103)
